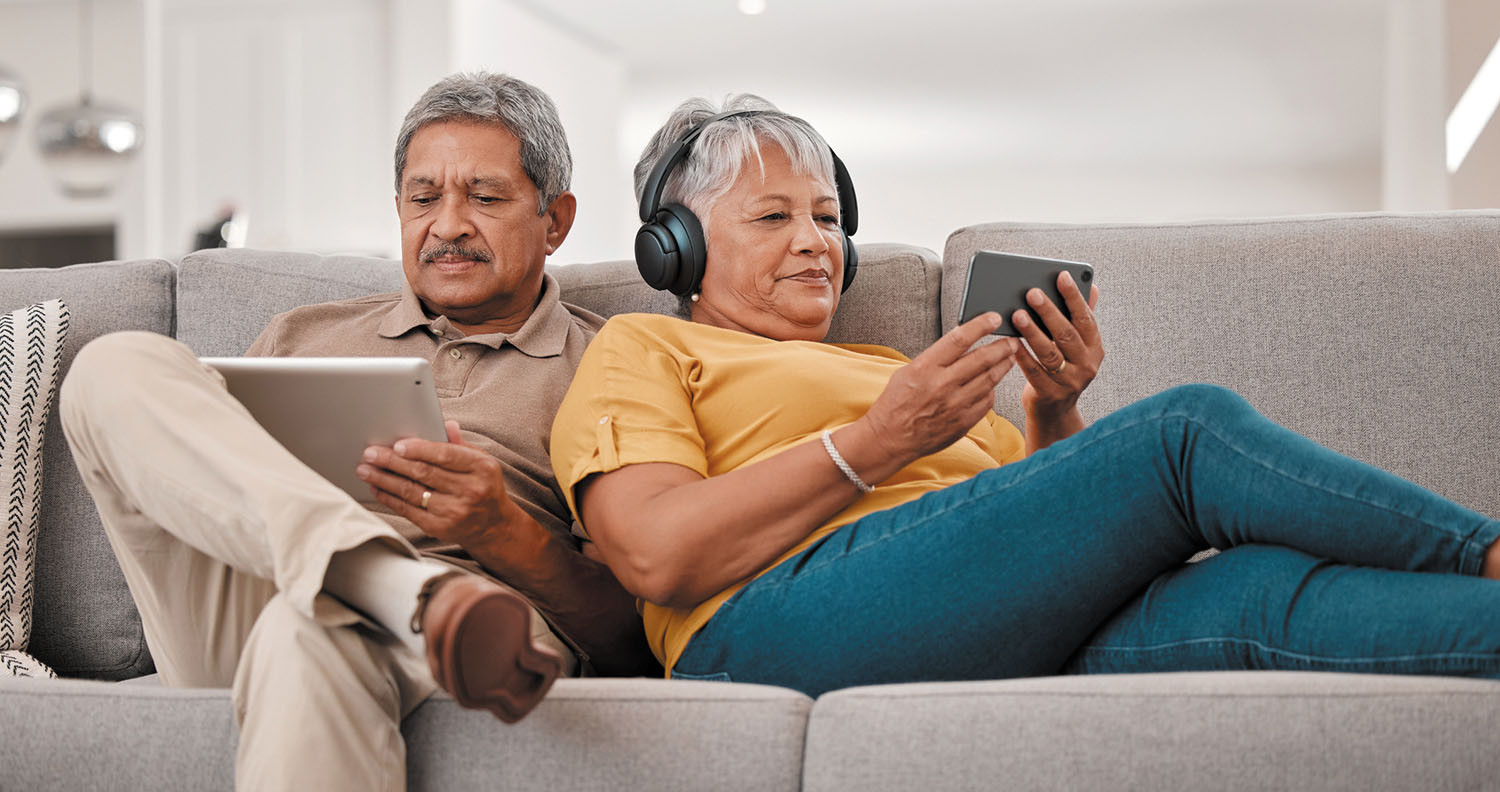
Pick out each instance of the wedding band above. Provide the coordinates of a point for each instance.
(426, 496)
(1058, 370)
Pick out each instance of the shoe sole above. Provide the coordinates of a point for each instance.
(487, 668)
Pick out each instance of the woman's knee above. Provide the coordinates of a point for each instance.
(1202, 400)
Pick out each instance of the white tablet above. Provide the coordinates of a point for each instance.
(326, 411)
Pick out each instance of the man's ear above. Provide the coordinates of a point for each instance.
(560, 214)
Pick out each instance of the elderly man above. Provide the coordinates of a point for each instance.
(330, 620)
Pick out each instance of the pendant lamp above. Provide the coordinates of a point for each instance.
(12, 107)
(87, 145)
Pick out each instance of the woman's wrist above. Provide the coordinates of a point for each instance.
(866, 452)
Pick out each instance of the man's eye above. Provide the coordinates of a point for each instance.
(775, 216)
(831, 220)
(422, 200)
(486, 200)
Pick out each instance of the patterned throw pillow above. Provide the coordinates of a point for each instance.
(31, 342)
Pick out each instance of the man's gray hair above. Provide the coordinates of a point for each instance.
(699, 181)
(489, 98)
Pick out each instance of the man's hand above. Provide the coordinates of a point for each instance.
(468, 504)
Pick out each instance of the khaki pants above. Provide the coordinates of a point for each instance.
(224, 538)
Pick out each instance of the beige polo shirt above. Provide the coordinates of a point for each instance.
(502, 388)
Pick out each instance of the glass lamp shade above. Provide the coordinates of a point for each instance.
(87, 146)
(12, 107)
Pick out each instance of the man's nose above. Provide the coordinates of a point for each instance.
(453, 220)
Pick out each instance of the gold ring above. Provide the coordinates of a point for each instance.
(1058, 370)
(426, 496)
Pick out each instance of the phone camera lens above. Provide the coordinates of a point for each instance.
(1087, 276)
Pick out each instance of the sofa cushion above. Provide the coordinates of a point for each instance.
(891, 302)
(31, 342)
(1187, 731)
(225, 298)
(587, 734)
(85, 623)
(1373, 334)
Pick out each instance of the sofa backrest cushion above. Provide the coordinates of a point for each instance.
(1373, 334)
(84, 621)
(226, 297)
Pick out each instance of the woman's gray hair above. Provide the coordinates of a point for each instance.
(719, 152)
(490, 98)
(699, 181)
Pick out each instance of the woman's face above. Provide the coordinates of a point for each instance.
(775, 253)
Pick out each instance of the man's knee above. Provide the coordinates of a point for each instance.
(299, 656)
(111, 367)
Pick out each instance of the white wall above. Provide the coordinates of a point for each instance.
(39, 42)
(290, 109)
(277, 107)
(589, 88)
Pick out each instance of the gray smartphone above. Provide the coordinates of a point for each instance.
(999, 282)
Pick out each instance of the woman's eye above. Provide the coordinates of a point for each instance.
(831, 220)
(775, 216)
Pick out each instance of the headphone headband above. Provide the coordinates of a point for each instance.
(656, 183)
(669, 247)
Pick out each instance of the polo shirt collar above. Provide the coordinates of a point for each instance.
(543, 335)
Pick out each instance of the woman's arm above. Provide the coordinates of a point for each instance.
(676, 538)
(1057, 369)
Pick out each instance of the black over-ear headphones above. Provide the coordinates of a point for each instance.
(669, 248)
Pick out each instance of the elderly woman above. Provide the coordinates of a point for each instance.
(818, 515)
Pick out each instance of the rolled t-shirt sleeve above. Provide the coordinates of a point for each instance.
(631, 401)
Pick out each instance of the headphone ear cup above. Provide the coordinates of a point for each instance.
(851, 263)
(669, 250)
(656, 255)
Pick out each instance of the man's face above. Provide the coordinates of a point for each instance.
(472, 243)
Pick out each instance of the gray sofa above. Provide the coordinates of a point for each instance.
(1374, 334)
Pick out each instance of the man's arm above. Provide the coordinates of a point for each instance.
(470, 507)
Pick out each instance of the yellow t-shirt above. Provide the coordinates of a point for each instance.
(655, 388)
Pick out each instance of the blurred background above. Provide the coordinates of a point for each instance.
(271, 123)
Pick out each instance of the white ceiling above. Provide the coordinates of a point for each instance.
(1176, 83)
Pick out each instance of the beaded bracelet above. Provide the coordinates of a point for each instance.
(838, 459)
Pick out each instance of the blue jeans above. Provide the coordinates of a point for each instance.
(1073, 561)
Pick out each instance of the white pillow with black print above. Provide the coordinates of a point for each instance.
(31, 343)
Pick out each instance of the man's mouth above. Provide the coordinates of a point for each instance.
(454, 257)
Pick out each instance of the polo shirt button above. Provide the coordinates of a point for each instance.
(604, 420)
(455, 353)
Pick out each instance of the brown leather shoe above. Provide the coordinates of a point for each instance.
(479, 646)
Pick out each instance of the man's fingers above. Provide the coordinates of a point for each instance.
(399, 486)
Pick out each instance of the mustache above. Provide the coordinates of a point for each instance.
(456, 250)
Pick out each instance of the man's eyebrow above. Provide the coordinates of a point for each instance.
(489, 182)
(419, 181)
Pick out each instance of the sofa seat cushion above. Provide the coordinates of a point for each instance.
(587, 734)
(31, 344)
(1184, 731)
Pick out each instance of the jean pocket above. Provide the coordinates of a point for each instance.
(717, 676)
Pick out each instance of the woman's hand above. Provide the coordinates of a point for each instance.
(1057, 369)
(939, 396)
